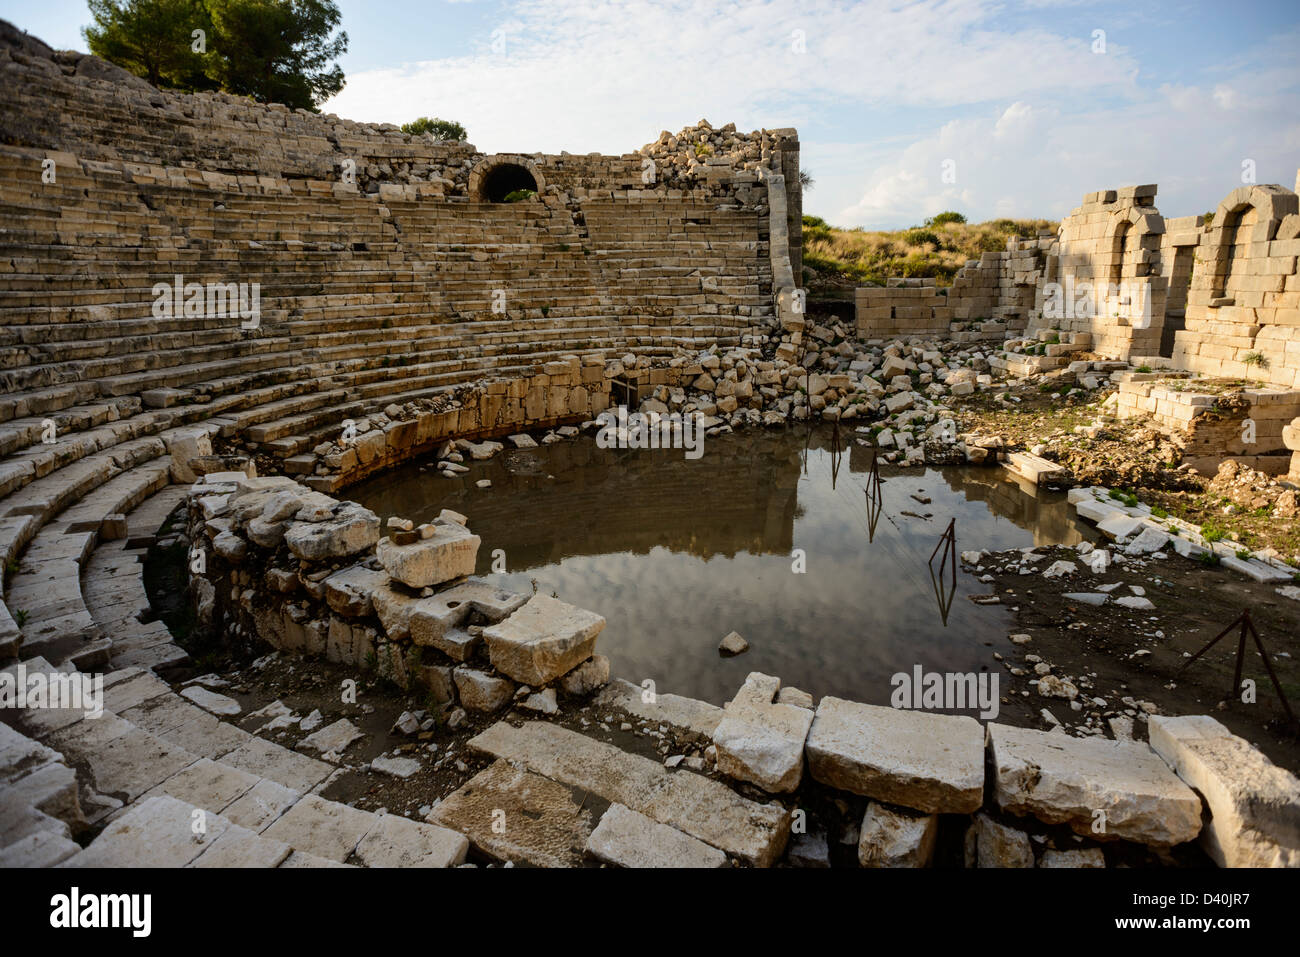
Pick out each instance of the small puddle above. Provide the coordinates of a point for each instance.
(677, 553)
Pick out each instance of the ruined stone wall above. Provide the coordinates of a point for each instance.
(1243, 304)
(902, 307)
(1110, 243)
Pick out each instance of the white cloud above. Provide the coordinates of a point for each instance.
(1032, 119)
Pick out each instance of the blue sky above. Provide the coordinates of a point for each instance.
(1015, 98)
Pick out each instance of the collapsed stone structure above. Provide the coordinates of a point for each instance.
(398, 291)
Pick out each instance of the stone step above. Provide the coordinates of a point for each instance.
(703, 808)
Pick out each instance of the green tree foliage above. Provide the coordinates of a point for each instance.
(152, 39)
(274, 51)
(441, 129)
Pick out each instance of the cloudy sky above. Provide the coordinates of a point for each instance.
(1024, 104)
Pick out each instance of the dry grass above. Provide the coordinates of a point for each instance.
(852, 256)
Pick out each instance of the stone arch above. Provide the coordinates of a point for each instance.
(497, 175)
(1247, 215)
(1127, 234)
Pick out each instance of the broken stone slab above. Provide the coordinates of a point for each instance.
(395, 841)
(692, 803)
(1150, 539)
(990, 843)
(1120, 526)
(1106, 790)
(324, 828)
(211, 701)
(928, 762)
(185, 445)
(760, 741)
(350, 529)
(514, 814)
(348, 591)
(395, 767)
(448, 554)
(543, 640)
(157, 832)
(676, 710)
(1087, 597)
(629, 839)
(895, 838)
(333, 738)
(1254, 805)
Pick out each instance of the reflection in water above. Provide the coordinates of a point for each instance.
(676, 553)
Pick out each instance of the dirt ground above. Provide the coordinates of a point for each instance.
(1127, 657)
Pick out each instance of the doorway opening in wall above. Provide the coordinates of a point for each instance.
(1180, 280)
(508, 183)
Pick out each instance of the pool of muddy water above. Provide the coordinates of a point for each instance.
(676, 553)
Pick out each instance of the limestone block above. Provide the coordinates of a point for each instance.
(930, 762)
(761, 741)
(350, 529)
(629, 839)
(894, 838)
(449, 554)
(1254, 805)
(1121, 785)
(543, 640)
(185, 445)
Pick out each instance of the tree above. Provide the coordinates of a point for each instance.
(277, 51)
(441, 129)
(153, 39)
(940, 219)
(806, 182)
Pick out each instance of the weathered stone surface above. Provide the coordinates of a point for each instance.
(185, 445)
(395, 841)
(1254, 805)
(321, 827)
(629, 839)
(760, 741)
(542, 640)
(1079, 857)
(929, 762)
(895, 838)
(333, 738)
(348, 590)
(449, 554)
(350, 529)
(157, 832)
(1065, 780)
(514, 814)
(587, 677)
(481, 691)
(702, 808)
(990, 843)
(690, 714)
(732, 644)
(210, 700)
(395, 767)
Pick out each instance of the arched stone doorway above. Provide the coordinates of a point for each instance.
(498, 177)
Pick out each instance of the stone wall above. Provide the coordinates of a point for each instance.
(313, 575)
(372, 248)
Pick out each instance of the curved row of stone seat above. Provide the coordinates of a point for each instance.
(161, 758)
(46, 587)
(112, 586)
